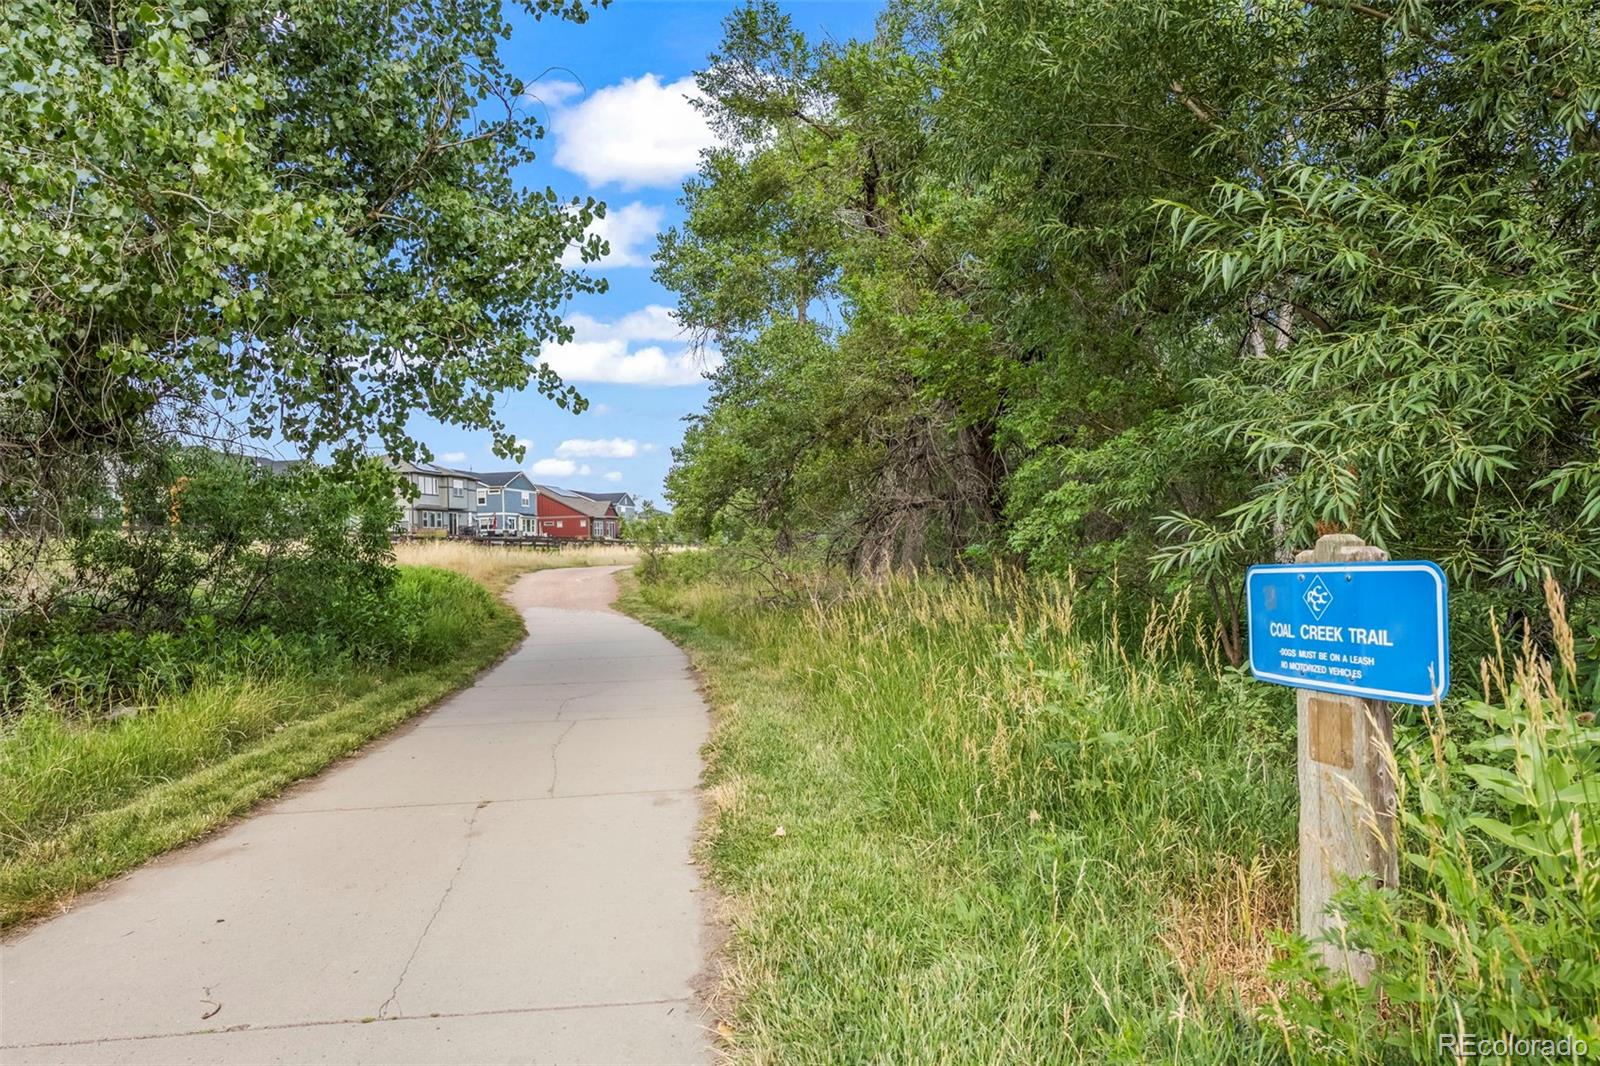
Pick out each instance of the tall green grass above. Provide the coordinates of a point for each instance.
(81, 799)
(956, 825)
(961, 821)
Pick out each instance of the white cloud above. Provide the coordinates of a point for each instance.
(600, 409)
(652, 322)
(612, 475)
(607, 352)
(524, 442)
(652, 447)
(559, 468)
(630, 230)
(553, 93)
(615, 448)
(554, 468)
(454, 457)
(638, 132)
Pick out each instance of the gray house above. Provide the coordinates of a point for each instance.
(626, 503)
(446, 500)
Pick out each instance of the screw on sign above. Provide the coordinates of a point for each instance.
(1351, 632)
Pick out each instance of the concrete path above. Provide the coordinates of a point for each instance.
(505, 881)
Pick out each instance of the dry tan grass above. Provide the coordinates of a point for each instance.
(1218, 936)
(496, 567)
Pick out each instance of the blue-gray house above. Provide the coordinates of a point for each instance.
(507, 503)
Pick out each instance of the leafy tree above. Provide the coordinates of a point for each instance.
(301, 214)
(814, 432)
(1155, 290)
(1426, 240)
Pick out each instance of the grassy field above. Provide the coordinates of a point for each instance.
(954, 823)
(81, 801)
(496, 568)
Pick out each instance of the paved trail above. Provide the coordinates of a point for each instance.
(508, 880)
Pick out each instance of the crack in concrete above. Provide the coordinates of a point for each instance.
(248, 1027)
(663, 711)
(555, 767)
(463, 803)
(466, 848)
(561, 709)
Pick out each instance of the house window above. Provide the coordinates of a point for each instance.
(559, 523)
(457, 489)
(428, 485)
(583, 523)
(528, 524)
(483, 498)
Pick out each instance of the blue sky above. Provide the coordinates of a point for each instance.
(611, 92)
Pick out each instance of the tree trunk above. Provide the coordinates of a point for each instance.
(1265, 339)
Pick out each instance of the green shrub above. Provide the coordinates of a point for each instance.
(204, 565)
(438, 612)
(651, 532)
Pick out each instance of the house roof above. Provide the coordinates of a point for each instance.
(405, 466)
(577, 501)
(501, 478)
(274, 466)
(610, 497)
(466, 474)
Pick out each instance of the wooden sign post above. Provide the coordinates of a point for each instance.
(1347, 794)
(1351, 632)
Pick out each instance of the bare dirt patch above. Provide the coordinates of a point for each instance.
(578, 588)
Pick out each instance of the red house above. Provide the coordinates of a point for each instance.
(571, 516)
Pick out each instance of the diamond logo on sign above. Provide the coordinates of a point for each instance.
(1318, 598)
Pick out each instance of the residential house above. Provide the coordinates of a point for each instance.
(445, 503)
(626, 503)
(507, 504)
(575, 516)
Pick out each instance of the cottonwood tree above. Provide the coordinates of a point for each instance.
(300, 215)
(814, 432)
(1157, 291)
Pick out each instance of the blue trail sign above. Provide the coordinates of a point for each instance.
(1376, 630)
